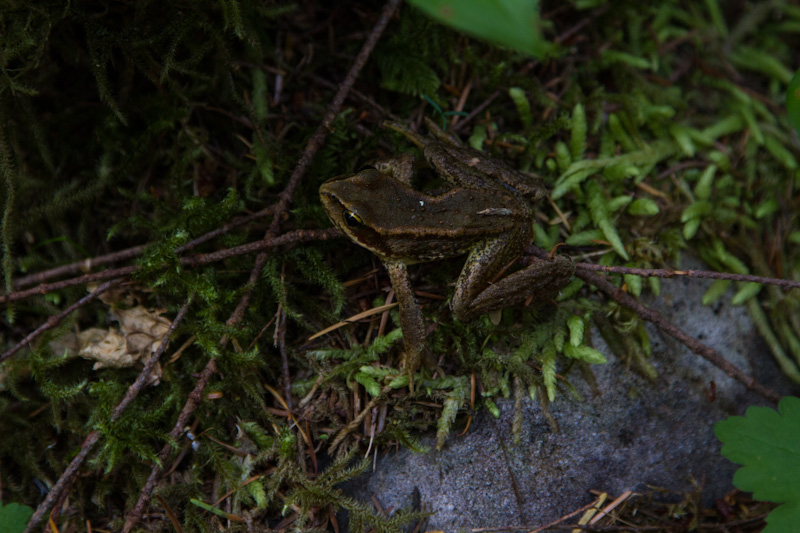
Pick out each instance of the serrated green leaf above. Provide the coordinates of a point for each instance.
(767, 445)
(695, 210)
(585, 353)
(747, 291)
(523, 105)
(563, 157)
(576, 327)
(512, 23)
(548, 358)
(703, 188)
(644, 207)
(577, 144)
(767, 208)
(690, 228)
(716, 290)
(370, 385)
(634, 284)
(598, 209)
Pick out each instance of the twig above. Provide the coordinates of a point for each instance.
(78, 266)
(651, 315)
(130, 253)
(193, 260)
(133, 391)
(54, 320)
(353, 424)
(475, 112)
(191, 404)
(670, 273)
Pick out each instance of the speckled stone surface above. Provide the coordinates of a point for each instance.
(629, 434)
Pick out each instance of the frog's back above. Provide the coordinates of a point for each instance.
(403, 224)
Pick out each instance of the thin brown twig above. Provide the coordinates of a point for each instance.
(191, 404)
(193, 260)
(54, 320)
(131, 253)
(671, 273)
(133, 391)
(79, 266)
(475, 112)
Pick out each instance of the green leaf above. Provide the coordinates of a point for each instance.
(767, 445)
(523, 105)
(512, 23)
(716, 290)
(793, 101)
(576, 327)
(643, 206)
(747, 291)
(599, 210)
(369, 383)
(585, 353)
(14, 517)
(577, 144)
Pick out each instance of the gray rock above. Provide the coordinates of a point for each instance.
(634, 433)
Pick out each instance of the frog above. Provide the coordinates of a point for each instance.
(486, 213)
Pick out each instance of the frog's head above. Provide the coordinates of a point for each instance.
(360, 206)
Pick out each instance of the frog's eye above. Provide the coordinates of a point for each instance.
(352, 219)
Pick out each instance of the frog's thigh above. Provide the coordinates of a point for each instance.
(542, 280)
(484, 263)
(452, 169)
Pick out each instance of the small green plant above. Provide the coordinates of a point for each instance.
(13, 517)
(767, 444)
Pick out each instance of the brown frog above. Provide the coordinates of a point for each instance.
(487, 213)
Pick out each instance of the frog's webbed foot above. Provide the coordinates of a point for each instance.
(542, 281)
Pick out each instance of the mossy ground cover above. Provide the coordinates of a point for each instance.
(657, 128)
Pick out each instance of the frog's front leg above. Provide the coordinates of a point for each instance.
(475, 294)
(410, 319)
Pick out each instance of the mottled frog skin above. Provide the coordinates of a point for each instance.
(487, 213)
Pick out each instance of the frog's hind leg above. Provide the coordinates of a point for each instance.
(542, 281)
(484, 262)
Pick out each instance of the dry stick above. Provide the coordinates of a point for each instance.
(193, 260)
(133, 391)
(130, 253)
(314, 144)
(195, 397)
(54, 320)
(670, 273)
(78, 266)
(651, 315)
